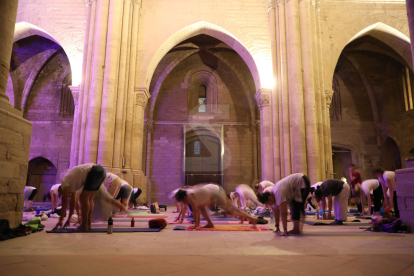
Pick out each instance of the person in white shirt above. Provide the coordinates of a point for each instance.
(201, 197)
(260, 187)
(112, 183)
(124, 193)
(89, 178)
(291, 190)
(387, 180)
(246, 194)
(29, 194)
(368, 187)
(55, 196)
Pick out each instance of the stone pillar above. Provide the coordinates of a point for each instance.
(263, 98)
(15, 131)
(405, 190)
(312, 146)
(410, 15)
(148, 167)
(75, 135)
(283, 88)
(85, 85)
(97, 76)
(122, 88)
(327, 135)
(130, 92)
(296, 89)
(253, 128)
(274, 95)
(141, 100)
(110, 85)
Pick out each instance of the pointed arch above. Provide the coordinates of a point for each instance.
(215, 31)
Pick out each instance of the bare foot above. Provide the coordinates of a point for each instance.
(208, 225)
(254, 222)
(294, 231)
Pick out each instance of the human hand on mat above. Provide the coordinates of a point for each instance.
(67, 224)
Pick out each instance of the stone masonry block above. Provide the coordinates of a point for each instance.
(409, 203)
(9, 170)
(16, 186)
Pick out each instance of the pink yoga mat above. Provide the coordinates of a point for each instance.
(232, 228)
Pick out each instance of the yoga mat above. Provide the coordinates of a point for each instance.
(222, 219)
(104, 230)
(232, 228)
(141, 216)
(363, 217)
(129, 220)
(180, 227)
(318, 223)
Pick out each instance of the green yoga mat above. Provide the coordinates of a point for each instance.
(317, 223)
(104, 230)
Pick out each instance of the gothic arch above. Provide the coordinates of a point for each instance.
(25, 29)
(383, 27)
(215, 31)
(173, 64)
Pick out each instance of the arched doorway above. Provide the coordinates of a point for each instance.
(202, 157)
(390, 155)
(41, 175)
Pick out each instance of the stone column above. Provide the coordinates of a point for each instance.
(73, 152)
(312, 146)
(274, 95)
(253, 129)
(327, 134)
(122, 88)
(410, 15)
(131, 94)
(84, 95)
(96, 86)
(15, 131)
(263, 98)
(283, 86)
(8, 20)
(296, 89)
(110, 85)
(148, 167)
(141, 100)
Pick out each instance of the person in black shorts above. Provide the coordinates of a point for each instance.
(29, 194)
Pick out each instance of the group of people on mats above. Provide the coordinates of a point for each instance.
(293, 191)
(82, 185)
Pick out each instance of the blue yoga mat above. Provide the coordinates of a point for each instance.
(104, 230)
(317, 223)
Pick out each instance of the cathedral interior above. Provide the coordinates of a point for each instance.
(168, 94)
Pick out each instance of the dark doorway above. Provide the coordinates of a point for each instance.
(41, 175)
(341, 159)
(202, 158)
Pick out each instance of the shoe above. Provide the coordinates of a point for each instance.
(337, 222)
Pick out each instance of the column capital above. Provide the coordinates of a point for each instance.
(137, 3)
(270, 4)
(263, 97)
(280, 2)
(89, 2)
(75, 93)
(328, 97)
(141, 96)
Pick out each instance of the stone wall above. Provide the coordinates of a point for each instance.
(14, 157)
(405, 192)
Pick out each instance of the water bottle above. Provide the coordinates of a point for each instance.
(110, 225)
(317, 214)
(132, 222)
(272, 218)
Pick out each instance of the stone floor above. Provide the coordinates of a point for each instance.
(322, 250)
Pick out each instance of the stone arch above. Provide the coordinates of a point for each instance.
(383, 27)
(25, 29)
(41, 174)
(390, 154)
(33, 76)
(215, 31)
(173, 64)
(206, 78)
